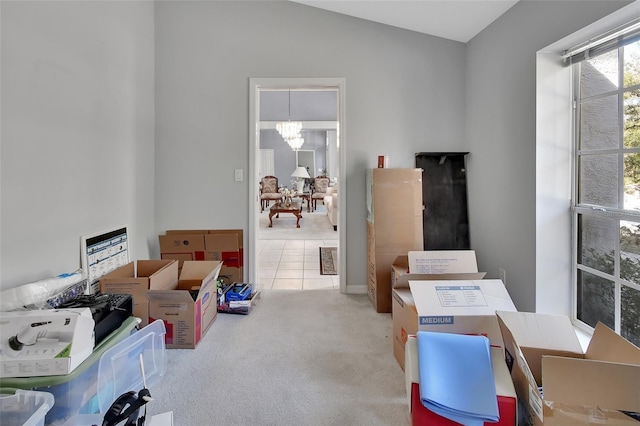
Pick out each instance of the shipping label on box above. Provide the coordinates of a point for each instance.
(442, 262)
(400, 274)
(45, 342)
(461, 306)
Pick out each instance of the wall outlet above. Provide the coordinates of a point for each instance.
(503, 275)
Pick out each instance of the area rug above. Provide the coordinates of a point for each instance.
(328, 261)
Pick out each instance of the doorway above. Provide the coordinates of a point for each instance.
(258, 85)
(307, 159)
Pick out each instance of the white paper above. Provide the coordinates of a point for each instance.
(164, 419)
(442, 262)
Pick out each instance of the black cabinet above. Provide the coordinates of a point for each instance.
(444, 196)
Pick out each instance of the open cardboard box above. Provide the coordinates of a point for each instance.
(137, 279)
(579, 388)
(188, 310)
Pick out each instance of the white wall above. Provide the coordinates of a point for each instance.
(78, 87)
(405, 94)
(501, 136)
(76, 141)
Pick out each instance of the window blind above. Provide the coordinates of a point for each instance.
(611, 40)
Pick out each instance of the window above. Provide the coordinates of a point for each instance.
(606, 186)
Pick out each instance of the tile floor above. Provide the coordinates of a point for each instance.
(293, 265)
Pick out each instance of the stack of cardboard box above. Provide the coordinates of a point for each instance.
(452, 265)
(555, 382)
(443, 291)
(223, 245)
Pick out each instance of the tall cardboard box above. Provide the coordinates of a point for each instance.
(224, 245)
(462, 306)
(558, 383)
(137, 279)
(394, 226)
(189, 310)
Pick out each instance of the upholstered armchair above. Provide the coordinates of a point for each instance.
(320, 185)
(268, 191)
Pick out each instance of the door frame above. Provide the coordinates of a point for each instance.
(255, 86)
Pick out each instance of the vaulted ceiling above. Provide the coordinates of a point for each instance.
(458, 20)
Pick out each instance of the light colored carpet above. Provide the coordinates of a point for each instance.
(314, 357)
(313, 226)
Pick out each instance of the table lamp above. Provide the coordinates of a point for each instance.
(300, 173)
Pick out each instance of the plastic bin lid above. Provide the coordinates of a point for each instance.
(119, 368)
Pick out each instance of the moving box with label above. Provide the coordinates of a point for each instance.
(442, 265)
(461, 306)
(188, 310)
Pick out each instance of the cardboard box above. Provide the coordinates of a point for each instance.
(48, 342)
(420, 415)
(394, 226)
(400, 274)
(579, 388)
(403, 308)
(461, 306)
(405, 321)
(224, 245)
(189, 310)
(137, 279)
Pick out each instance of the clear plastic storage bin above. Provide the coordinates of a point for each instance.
(76, 392)
(119, 370)
(20, 407)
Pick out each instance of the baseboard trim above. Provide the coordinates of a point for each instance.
(356, 289)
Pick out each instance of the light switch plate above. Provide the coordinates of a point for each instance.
(238, 175)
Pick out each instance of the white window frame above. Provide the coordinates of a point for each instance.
(554, 136)
(616, 214)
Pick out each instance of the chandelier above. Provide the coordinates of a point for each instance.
(289, 129)
(295, 143)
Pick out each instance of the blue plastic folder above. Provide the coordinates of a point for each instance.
(456, 377)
